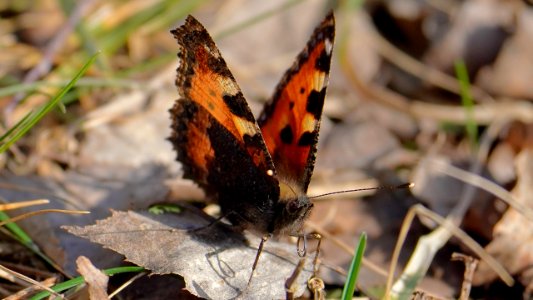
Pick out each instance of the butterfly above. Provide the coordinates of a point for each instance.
(258, 171)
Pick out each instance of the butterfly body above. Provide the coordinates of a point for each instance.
(257, 171)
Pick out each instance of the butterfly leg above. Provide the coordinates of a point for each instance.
(259, 251)
(208, 226)
(219, 220)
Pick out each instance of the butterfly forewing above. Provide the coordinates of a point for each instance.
(215, 134)
(291, 119)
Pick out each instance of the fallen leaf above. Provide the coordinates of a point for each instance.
(96, 280)
(511, 73)
(513, 235)
(214, 260)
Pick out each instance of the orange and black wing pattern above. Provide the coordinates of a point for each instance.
(215, 134)
(290, 121)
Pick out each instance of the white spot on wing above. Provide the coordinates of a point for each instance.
(328, 46)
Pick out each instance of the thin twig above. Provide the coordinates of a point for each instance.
(470, 267)
(29, 280)
(126, 284)
(25, 293)
(43, 211)
(290, 287)
(17, 205)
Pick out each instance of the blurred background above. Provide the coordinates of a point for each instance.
(434, 92)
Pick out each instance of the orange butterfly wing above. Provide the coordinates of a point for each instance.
(290, 121)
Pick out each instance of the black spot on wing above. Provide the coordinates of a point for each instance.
(308, 139)
(255, 146)
(323, 61)
(315, 102)
(238, 106)
(302, 90)
(218, 66)
(325, 32)
(286, 135)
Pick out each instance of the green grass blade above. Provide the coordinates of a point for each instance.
(83, 82)
(17, 233)
(17, 88)
(355, 266)
(467, 101)
(63, 286)
(147, 66)
(15, 127)
(111, 40)
(38, 115)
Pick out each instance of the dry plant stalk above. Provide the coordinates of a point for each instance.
(22, 204)
(291, 281)
(127, 283)
(25, 293)
(44, 211)
(429, 244)
(470, 267)
(424, 252)
(35, 284)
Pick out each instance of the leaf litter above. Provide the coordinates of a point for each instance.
(116, 161)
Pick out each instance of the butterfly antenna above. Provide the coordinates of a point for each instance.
(401, 186)
(293, 191)
(288, 185)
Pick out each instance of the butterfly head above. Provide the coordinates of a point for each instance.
(292, 210)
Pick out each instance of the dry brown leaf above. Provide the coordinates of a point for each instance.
(96, 280)
(513, 241)
(215, 261)
(499, 163)
(511, 73)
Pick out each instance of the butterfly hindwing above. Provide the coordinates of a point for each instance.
(290, 121)
(215, 134)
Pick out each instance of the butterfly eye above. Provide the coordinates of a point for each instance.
(293, 207)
